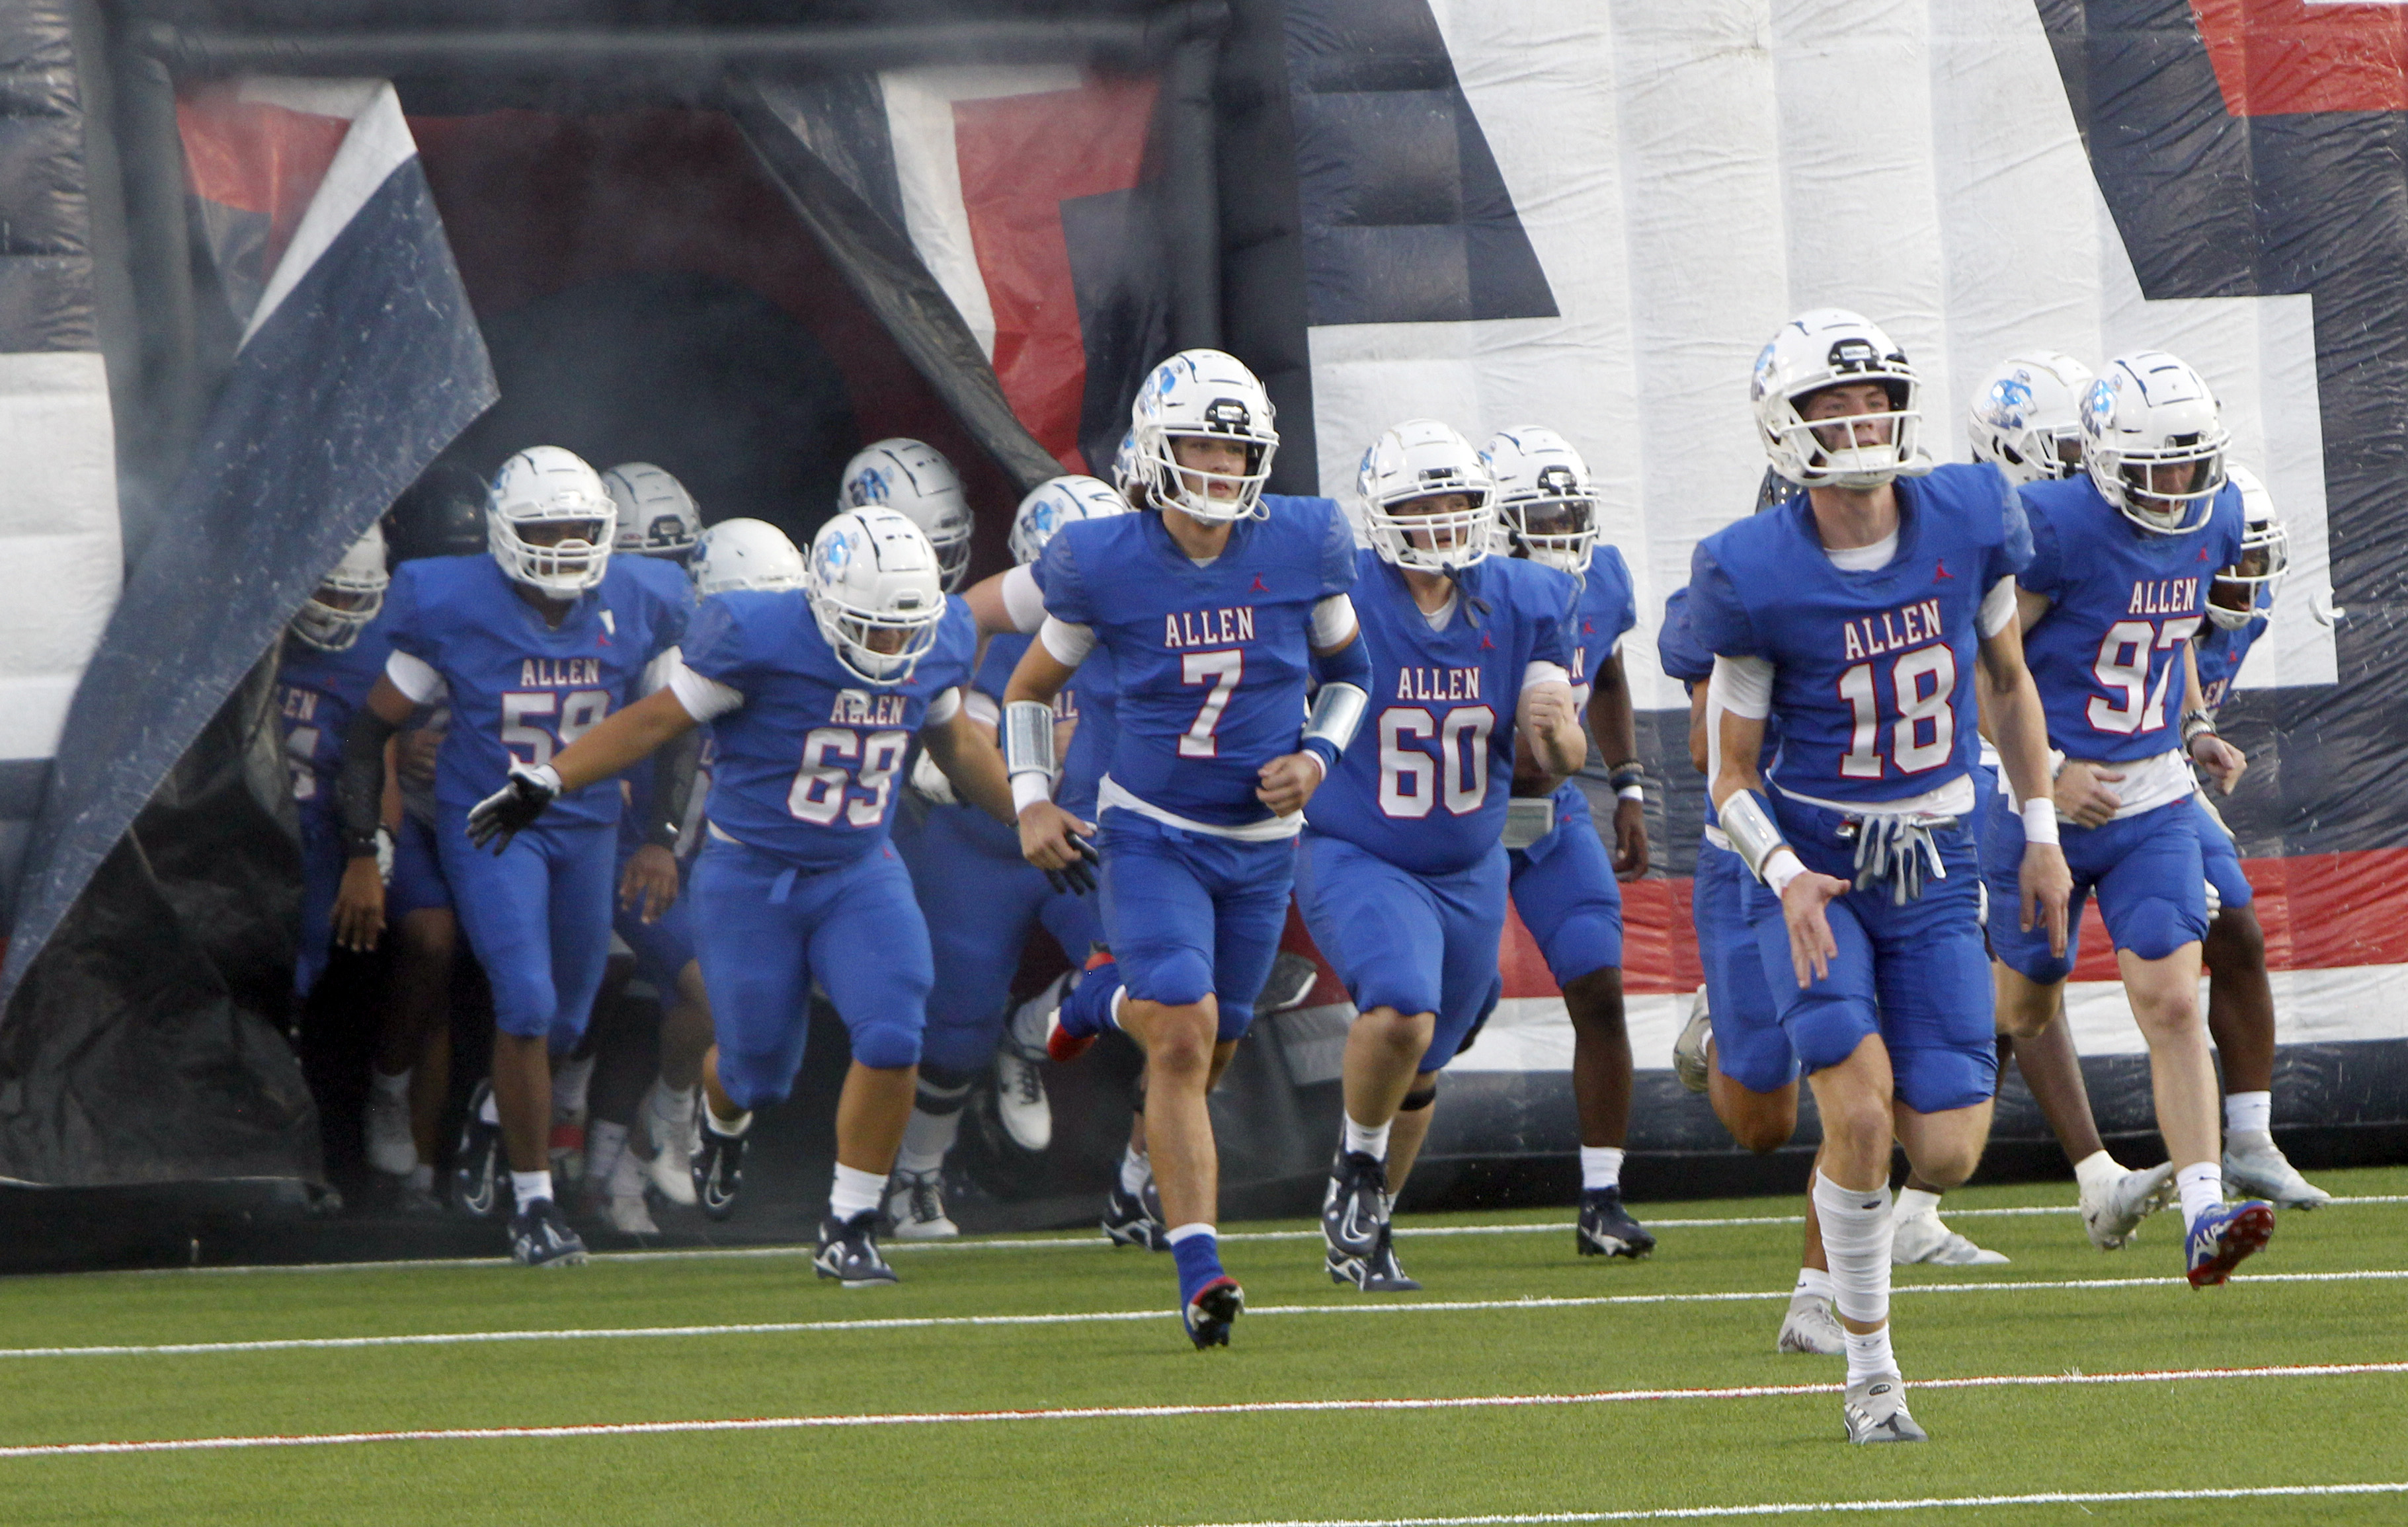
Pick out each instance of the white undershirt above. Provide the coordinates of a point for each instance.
(1865, 559)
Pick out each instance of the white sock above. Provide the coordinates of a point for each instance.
(2201, 1184)
(1136, 1171)
(396, 1088)
(925, 1140)
(569, 1080)
(1600, 1167)
(1812, 1283)
(1856, 1235)
(604, 1143)
(727, 1128)
(856, 1191)
(1364, 1139)
(2097, 1170)
(490, 1112)
(1916, 1201)
(2248, 1113)
(530, 1186)
(672, 1111)
(1189, 1232)
(422, 1177)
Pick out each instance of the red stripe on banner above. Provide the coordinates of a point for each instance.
(2319, 912)
(2274, 57)
(1021, 157)
(257, 158)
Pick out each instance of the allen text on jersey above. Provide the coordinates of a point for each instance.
(1208, 627)
(2166, 596)
(1438, 684)
(1892, 631)
(555, 673)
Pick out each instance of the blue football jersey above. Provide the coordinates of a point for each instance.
(1424, 784)
(1090, 752)
(808, 766)
(1685, 657)
(665, 577)
(2222, 652)
(316, 695)
(521, 689)
(1608, 608)
(669, 581)
(1873, 671)
(1211, 662)
(2123, 602)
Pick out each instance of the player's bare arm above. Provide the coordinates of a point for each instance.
(1050, 838)
(1549, 724)
(965, 749)
(360, 800)
(1803, 892)
(2224, 762)
(1616, 730)
(2012, 703)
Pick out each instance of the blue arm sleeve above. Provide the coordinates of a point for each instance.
(1716, 614)
(1350, 665)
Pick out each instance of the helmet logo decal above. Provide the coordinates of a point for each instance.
(1761, 382)
(2010, 400)
(870, 487)
(2098, 408)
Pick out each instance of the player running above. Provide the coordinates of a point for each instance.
(1213, 609)
(533, 645)
(1860, 616)
(2115, 589)
(798, 881)
(983, 901)
(1401, 869)
(1565, 885)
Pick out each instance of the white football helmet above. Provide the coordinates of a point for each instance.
(1424, 459)
(1203, 392)
(547, 486)
(2265, 556)
(347, 598)
(656, 515)
(744, 554)
(2147, 413)
(1545, 502)
(872, 578)
(1125, 463)
(1055, 503)
(2027, 418)
(1831, 346)
(916, 481)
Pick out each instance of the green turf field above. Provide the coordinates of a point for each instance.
(2054, 1311)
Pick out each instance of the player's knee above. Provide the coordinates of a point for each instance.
(1400, 1029)
(1857, 1115)
(2026, 1008)
(2235, 941)
(1182, 978)
(886, 1043)
(1179, 1047)
(1593, 1003)
(1759, 1123)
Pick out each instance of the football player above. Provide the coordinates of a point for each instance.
(916, 481)
(982, 900)
(800, 880)
(2122, 559)
(1564, 880)
(1859, 616)
(2239, 1000)
(533, 646)
(1215, 605)
(1401, 868)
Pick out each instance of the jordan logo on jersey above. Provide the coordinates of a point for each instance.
(2167, 596)
(1438, 684)
(1208, 627)
(1909, 626)
(859, 708)
(558, 673)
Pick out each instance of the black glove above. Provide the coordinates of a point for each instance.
(1080, 878)
(513, 808)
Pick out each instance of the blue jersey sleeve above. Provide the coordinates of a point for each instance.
(1677, 646)
(404, 612)
(714, 645)
(2014, 552)
(1548, 611)
(669, 617)
(1337, 550)
(1623, 609)
(2043, 571)
(1061, 579)
(1717, 614)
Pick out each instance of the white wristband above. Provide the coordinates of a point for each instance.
(2040, 823)
(1631, 792)
(1030, 789)
(1781, 868)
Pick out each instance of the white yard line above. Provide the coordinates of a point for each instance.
(931, 1322)
(1257, 1408)
(1801, 1509)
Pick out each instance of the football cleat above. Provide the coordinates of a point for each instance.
(2223, 1235)
(539, 1237)
(476, 1163)
(1607, 1229)
(1874, 1410)
(718, 1171)
(1020, 1101)
(2113, 1214)
(1693, 1052)
(671, 1165)
(1216, 1307)
(2255, 1165)
(915, 1207)
(1066, 1038)
(1136, 1218)
(849, 1252)
(1811, 1328)
(390, 1147)
(1921, 1237)
(1354, 1206)
(622, 1198)
(1377, 1273)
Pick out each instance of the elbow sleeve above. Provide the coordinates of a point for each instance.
(359, 781)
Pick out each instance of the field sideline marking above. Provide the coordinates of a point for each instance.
(925, 1323)
(1074, 1242)
(1248, 1408)
(1799, 1509)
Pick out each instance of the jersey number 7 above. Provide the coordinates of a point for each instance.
(1222, 670)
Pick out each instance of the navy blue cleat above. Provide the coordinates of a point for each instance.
(539, 1237)
(718, 1167)
(1136, 1218)
(1607, 1229)
(1377, 1271)
(476, 1163)
(849, 1252)
(2223, 1235)
(1353, 1208)
(1213, 1310)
